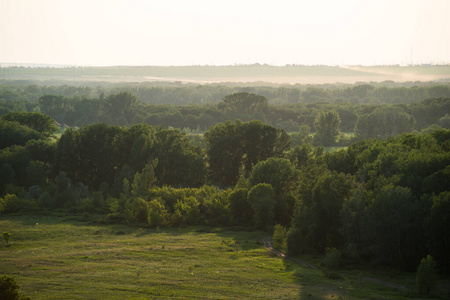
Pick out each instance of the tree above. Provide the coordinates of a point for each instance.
(233, 149)
(120, 108)
(179, 163)
(262, 200)
(383, 122)
(9, 289)
(316, 220)
(187, 211)
(426, 276)
(6, 236)
(157, 214)
(239, 206)
(438, 227)
(243, 103)
(224, 152)
(279, 237)
(260, 142)
(327, 128)
(281, 175)
(144, 180)
(14, 133)
(389, 223)
(41, 123)
(136, 210)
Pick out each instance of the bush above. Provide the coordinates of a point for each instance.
(279, 237)
(12, 203)
(9, 289)
(6, 236)
(136, 210)
(426, 276)
(157, 214)
(333, 258)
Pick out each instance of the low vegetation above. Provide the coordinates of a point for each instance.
(60, 258)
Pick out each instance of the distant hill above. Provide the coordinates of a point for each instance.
(240, 73)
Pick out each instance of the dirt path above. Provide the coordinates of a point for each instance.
(268, 245)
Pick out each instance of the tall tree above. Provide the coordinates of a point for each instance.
(327, 128)
(41, 123)
(235, 148)
(244, 102)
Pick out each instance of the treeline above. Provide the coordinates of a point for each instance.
(385, 201)
(125, 109)
(189, 94)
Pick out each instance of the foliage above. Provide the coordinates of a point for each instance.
(11, 203)
(426, 276)
(6, 236)
(327, 128)
(279, 237)
(262, 201)
(232, 147)
(384, 122)
(9, 289)
(333, 258)
(281, 175)
(157, 214)
(41, 123)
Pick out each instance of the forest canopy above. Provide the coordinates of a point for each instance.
(383, 198)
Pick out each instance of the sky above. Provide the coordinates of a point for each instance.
(206, 32)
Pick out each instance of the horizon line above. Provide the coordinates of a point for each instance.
(46, 65)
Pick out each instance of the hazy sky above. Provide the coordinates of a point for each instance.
(197, 32)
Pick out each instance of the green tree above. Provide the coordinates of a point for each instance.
(36, 173)
(244, 102)
(6, 237)
(119, 108)
(279, 237)
(187, 211)
(41, 123)
(9, 289)
(383, 122)
(426, 276)
(438, 228)
(389, 222)
(262, 201)
(233, 149)
(14, 133)
(224, 152)
(144, 180)
(179, 163)
(327, 128)
(136, 210)
(281, 175)
(157, 214)
(239, 206)
(316, 220)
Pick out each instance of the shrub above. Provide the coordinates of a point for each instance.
(279, 237)
(426, 276)
(136, 210)
(9, 289)
(6, 236)
(12, 203)
(333, 258)
(157, 214)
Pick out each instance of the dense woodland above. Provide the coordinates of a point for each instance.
(385, 198)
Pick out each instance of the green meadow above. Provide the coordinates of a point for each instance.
(64, 258)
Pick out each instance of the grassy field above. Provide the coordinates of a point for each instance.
(61, 258)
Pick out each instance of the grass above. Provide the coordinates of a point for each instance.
(59, 258)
